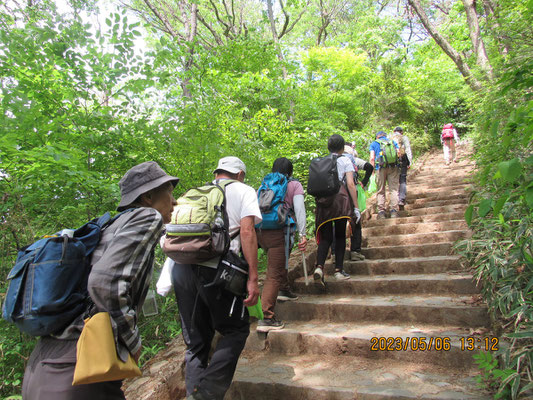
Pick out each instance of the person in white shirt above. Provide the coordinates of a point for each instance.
(406, 159)
(204, 310)
(448, 139)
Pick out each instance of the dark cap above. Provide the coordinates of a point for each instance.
(141, 179)
(398, 129)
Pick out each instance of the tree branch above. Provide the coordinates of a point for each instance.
(161, 18)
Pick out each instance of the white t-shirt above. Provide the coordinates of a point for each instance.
(241, 201)
(344, 164)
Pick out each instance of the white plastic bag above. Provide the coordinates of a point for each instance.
(164, 283)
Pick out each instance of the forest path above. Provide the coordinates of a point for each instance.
(411, 289)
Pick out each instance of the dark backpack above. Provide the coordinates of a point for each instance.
(271, 197)
(323, 176)
(48, 284)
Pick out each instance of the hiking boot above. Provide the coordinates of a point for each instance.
(394, 214)
(319, 273)
(286, 295)
(341, 276)
(269, 324)
(401, 206)
(381, 215)
(356, 256)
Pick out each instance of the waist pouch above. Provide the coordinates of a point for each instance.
(232, 274)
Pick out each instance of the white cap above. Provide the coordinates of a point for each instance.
(230, 164)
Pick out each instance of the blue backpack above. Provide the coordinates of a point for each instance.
(271, 196)
(48, 284)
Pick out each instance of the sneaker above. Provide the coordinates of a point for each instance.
(286, 295)
(318, 274)
(269, 324)
(356, 256)
(381, 215)
(341, 276)
(394, 214)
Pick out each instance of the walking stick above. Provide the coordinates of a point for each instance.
(305, 269)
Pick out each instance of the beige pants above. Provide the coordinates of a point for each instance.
(448, 146)
(388, 176)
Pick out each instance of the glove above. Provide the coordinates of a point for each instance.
(357, 215)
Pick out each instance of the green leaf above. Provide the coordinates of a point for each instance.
(529, 196)
(484, 207)
(510, 170)
(523, 334)
(497, 207)
(468, 214)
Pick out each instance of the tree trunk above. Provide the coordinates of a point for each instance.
(461, 64)
(492, 17)
(475, 36)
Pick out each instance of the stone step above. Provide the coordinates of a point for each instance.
(415, 219)
(437, 183)
(432, 203)
(435, 196)
(438, 345)
(444, 283)
(402, 266)
(421, 190)
(415, 238)
(456, 310)
(411, 250)
(411, 228)
(433, 209)
(311, 376)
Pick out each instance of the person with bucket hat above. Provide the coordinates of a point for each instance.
(204, 308)
(406, 158)
(121, 271)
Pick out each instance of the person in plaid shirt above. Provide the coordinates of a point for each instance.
(121, 271)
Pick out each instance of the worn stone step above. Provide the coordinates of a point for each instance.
(419, 190)
(402, 266)
(415, 219)
(432, 209)
(310, 376)
(411, 228)
(432, 203)
(411, 250)
(435, 344)
(451, 197)
(448, 310)
(443, 283)
(437, 183)
(415, 238)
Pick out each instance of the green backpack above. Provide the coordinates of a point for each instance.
(199, 228)
(387, 155)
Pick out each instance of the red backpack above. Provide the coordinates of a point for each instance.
(447, 131)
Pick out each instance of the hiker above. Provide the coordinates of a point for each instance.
(359, 165)
(448, 139)
(121, 273)
(406, 158)
(277, 243)
(204, 310)
(384, 159)
(331, 215)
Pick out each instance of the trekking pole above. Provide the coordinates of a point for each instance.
(305, 269)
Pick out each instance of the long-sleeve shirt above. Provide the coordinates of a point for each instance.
(120, 276)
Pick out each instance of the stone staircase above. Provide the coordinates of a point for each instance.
(411, 289)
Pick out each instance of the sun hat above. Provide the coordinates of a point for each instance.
(141, 179)
(398, 129)
(230, 164)
(380, 134)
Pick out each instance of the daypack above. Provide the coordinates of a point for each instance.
(48, 284)
(447, 131)
(398, 137)
(199, 228)
(323, 176)
(387, 153)
(271, 197)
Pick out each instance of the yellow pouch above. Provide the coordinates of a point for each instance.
(97, 359)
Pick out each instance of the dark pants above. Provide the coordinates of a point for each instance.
(357, 236)
(202, 311)
(273, 242)
(402, 190)
(49, 374)
(326, 238)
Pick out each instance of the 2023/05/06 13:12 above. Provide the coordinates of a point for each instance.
(471, 343)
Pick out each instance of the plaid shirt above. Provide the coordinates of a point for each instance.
(121, 272)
